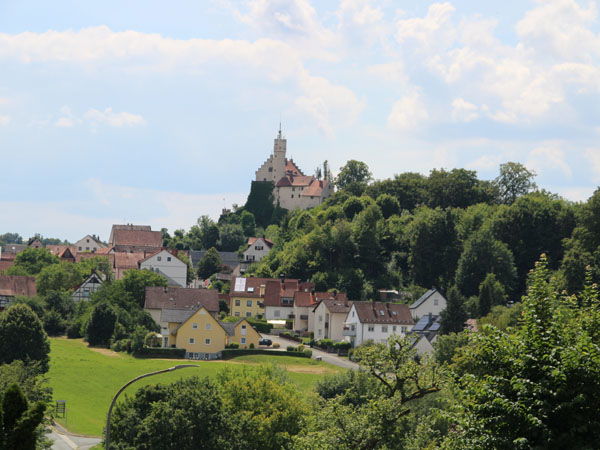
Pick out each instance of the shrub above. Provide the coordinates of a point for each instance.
(300, 348)
(232, 353)
(260, 325)
(152, 340)
(276, 345)
(291, 348)
(122, 345)
(162, 352)
(342, 345)
(312, 335)
(325, 343)
(74, 330)
(233, 345)
(308, 352)
(287, 333)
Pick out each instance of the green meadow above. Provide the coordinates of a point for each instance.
(88, 378)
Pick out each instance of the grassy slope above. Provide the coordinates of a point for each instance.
(88, 380)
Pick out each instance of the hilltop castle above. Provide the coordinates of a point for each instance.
(292, 189)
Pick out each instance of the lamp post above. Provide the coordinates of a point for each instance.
(170, 369)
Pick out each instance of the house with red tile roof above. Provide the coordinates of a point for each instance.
(135, 238)
(304, 305)
(122, 262)
(279, 297)
(292, 189)
(258, 248)
(12, 286)
(376, 321)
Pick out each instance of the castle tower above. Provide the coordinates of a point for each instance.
(273, 169)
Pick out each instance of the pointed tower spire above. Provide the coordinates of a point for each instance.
(279, 129)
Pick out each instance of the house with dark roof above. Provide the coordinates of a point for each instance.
(90, 285)
(292, 189)
(425, 333)
(89, 243)
(158, 299)
(376, 321)
(328, 317)
(12, 286)
(230, 262)
(431, 302)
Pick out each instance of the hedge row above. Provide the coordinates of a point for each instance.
(260, 325)
(229, 353)
(162, 352)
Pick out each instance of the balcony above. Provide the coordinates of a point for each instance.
(349, 331)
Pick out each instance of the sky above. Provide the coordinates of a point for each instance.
(154, 112)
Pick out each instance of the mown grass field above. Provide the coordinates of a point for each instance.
(88, 378)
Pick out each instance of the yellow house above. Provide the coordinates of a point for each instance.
(246, 296)
(203, 337)
(241, 333)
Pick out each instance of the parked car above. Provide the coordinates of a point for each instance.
(265, 341)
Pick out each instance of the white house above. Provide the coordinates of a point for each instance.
(329, 316)
(431, 302)
(89, 243)
(88, 287)
(169, 266)
(279, 297)
(258, 248)
(376, 321)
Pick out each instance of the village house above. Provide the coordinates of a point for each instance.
(230, 263)
(431, 302)
(246, 296)
(88, 287)
(35, 243)
(425, 333)
(203, 337)
(90, 243)
(174, 304)
(279, 298)
(167, 265)
(64, 252)
(328, 317)
(135, 239)
(12, 286)
(376, 321)
(122, 262)
(258, 248)
(292, 189)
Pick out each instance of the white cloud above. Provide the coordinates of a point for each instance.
(463, 111)
(485, 163)
(408, 112)
(393, 72)
(435, 30)
(549, 156)
(113, 119)
(4, 120)
(593, 156)
(64, 122)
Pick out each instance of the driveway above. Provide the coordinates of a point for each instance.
(331, 358)
(66, 441)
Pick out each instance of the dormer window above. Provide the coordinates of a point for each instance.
(382, 312)
(250, 289)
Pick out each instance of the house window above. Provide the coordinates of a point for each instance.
(320, 318)
(243, 327)
(79, 248)
(87, 249)
(394, 328)
(293, 189)
(403, 329)
(292, 195)
(248, 302)
(436, 301)
(237, 314)
(270, 170)
(159, 258)
(320, 332)
(195, 326)
(192, 341)
(371, 328)
(276, 313)
(352, 313)
(165, 342)
(243, 340)
(237, 302)
(384, 328)
(208, 326)
(248, 314)
(168, 258)
(207, 341)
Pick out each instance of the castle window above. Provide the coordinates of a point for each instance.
(292, 195)
(270, 169)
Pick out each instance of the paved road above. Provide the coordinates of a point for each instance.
(331, 358)
(64, 441)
